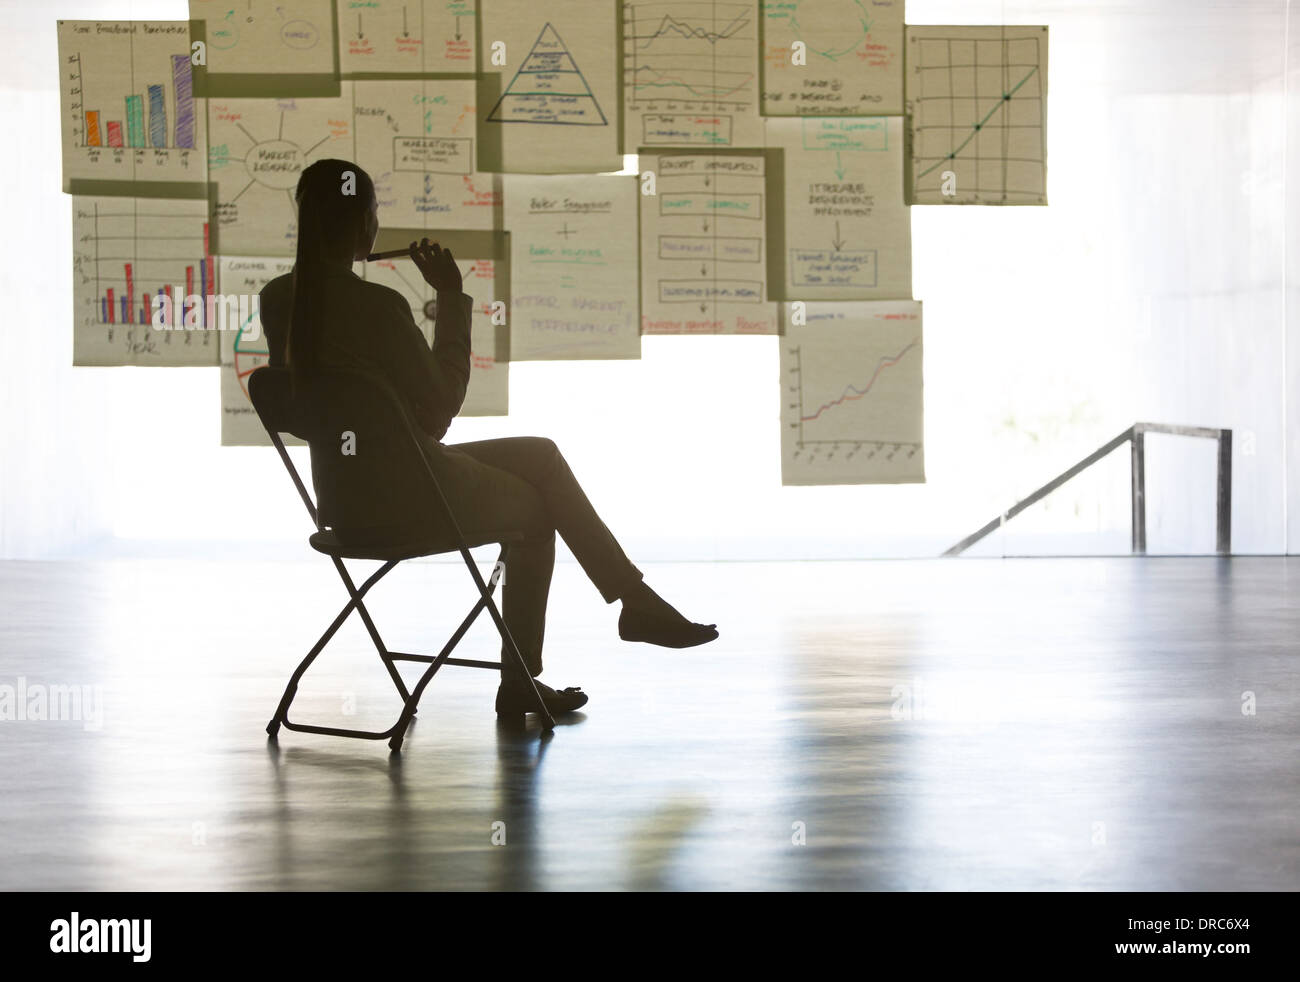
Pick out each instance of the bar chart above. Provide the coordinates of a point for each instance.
(103, 132)
(144, 285)
(128, 107)
(126, 306)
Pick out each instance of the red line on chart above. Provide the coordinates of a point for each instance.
(852, 392)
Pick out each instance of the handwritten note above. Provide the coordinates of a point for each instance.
(833, 57)
(417, 141)
(268, 48)
(703, 246)
(846, 231)
(244, 350)
(573, 267)
(403, 37)
(552, 106)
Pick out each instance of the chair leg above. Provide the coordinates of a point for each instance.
(410, 699)
(507, 639)
(412, 704)
(373, 631)
(291, 689)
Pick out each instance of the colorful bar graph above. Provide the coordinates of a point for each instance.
(114, 134)
(134, 121)
(183, 83)
(157, 117)
(92, 128)
(143, 284)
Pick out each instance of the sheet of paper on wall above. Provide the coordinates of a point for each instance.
(690, 75)
(129, 113)
(403, 37)
(573, 266)
(833, 57)
(977, 115)
(844, 231)
(704, 245)
(851, 393)
(417, 141)
(268, 47)
(142, 282)
(244, 350)
(259, 149)
(488, 393)
(552, 105)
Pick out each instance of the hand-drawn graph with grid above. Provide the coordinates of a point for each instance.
(976, 106)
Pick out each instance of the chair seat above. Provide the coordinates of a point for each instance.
(405, 547)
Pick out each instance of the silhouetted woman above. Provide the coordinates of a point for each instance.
(323, 314)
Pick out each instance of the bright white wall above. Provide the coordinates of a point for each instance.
(1154, 287)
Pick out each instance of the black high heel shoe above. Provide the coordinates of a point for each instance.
(516, 698)
(634, 625)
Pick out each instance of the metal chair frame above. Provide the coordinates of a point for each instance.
(324, 541)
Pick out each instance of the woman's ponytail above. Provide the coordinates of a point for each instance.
(333, 198)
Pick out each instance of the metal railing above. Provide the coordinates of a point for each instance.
(1135, 435)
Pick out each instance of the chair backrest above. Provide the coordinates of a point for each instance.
(272, 396)
(372, 479)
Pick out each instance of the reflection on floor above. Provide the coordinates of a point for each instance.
(1025, 724)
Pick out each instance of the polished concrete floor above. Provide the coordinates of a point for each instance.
(1092, 724)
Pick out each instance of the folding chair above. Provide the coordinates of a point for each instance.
(357, 496)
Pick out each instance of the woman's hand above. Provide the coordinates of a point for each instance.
(437, 265)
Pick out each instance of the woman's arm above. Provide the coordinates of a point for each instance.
(451, 337)
(451, 346)
(434, 382)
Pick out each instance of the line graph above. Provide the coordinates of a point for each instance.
(690, 72)
(851, 391)
(655, 78)
(975, 130)
(669, 25)
(976, 109)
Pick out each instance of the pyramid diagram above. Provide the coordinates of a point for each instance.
(548, 88)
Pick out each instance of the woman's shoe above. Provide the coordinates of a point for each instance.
(636, 625)
(516, 698)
